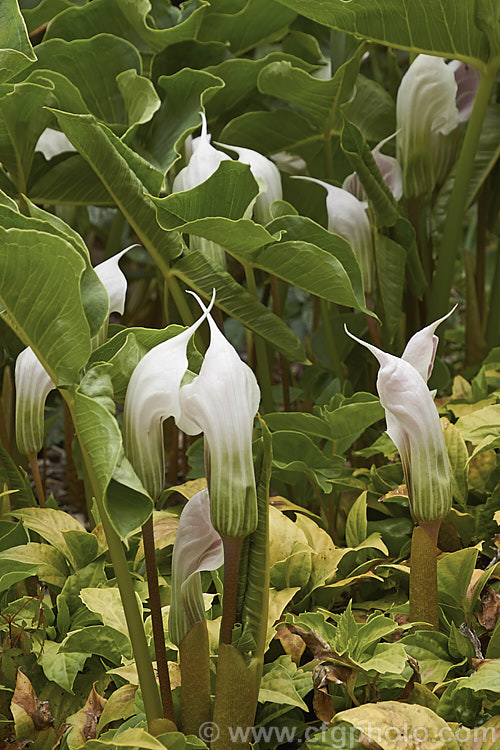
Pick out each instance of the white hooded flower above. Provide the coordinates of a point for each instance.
(347, 217)
(153, 396)
(53, 142)
(197, 547)
(33, 383)
(427, 115)
(268, 178)
(413, 422)
(223, 401)
(203, 161)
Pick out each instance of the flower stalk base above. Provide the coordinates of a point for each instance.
(423, 575)
(195, 679)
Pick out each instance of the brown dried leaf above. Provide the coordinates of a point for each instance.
(490, 611)
(85, 720)
(319, 648)
(30, 714)
(413, 679)
(322, 675)
(293, 645)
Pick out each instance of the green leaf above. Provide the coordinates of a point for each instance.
(351, 418)
(120, 705)
(299, 422)
(295, 453)
(359, 154)
(139, 96)
(114, 163)
(300, 228)
(203, 276)
(487, 153)
(319, 100)
(454, 575)
(270, 132)
(128, 19)
(61, 667)
(11, 572)
(487, 18)
(92, 65)
(16, 51)
(481, 424)
(458, 457)
(447, 29)
(22, 121)
(51, 524)
(430, 649)
(184, 95)
(107, 604)
(40, 290)
(125, 499)
(125, 350)
(44, 11)
(387, 658)
(50, 563)
(393, 724)
(103, 640)
(68, 179)
(247, 25)
(356, 528)
(277, 686)
(391, 263)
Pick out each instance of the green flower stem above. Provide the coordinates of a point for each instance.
(135, 624)
(260, 350)
(194, 658)
(232, 555)
(335, 361)
(492, 326)
(285, 384)
(37, 479)
(157, 620)
(423, 575)
(180, 300)
(443, 278)
(114, 241)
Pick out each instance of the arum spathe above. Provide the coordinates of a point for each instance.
(413, 422)
(33, 383)
(203, 161)
(268, 178)
(223, 401)
(197, 547)
(347, 217)
(433, 98)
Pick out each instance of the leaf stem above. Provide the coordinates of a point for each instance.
(180, 300)
(335, 361)
(443, 278)
(260, 350)
(157, 620)
(135, 624)
(194, 658)
(37, 479)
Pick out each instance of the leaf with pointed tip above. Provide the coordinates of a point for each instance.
(129, 19)
(442, 27)
(319, 100)
(92, 66)
(246, 25)
(213, 210)
(359, 154)
(22, 121)
(115, 164)
(184, 95)
(126, 502)
(69, 180)
(94, 297)
(391, 262)
(196, 270)
(16, 51)
(40, 277)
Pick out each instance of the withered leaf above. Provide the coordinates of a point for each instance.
(490, 611)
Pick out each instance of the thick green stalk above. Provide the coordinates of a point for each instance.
(194, 658)
(135, 624)
(260, 350)
(335, 361)
(443, 278)
(37, 479)
(232, 556)
(235, 701)
(423, 575)
(493, 324)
